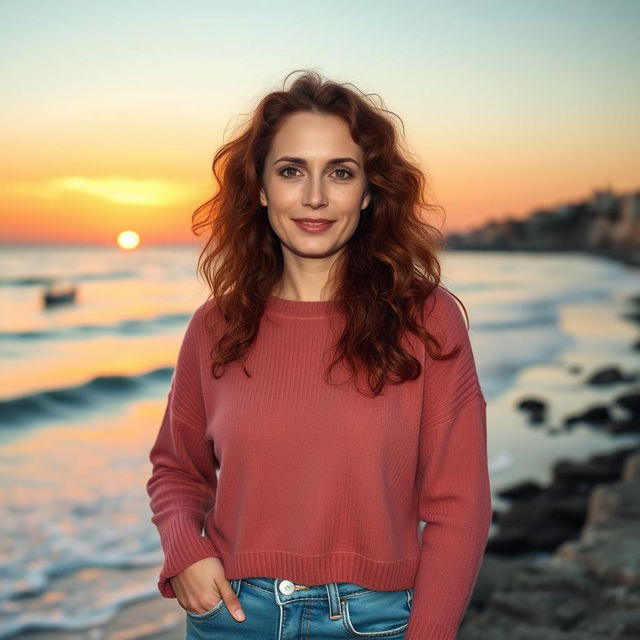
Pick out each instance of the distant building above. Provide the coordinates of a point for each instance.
(606, 222)
(626, 232)
(603, 208)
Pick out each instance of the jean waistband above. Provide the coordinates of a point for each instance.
(306, 590)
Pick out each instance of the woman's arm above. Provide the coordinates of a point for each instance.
(183, 481)
(453, 484)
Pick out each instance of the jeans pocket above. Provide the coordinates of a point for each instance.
(216, 609)
(206, 614)
(377, 614)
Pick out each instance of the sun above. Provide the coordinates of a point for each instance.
(128, 240)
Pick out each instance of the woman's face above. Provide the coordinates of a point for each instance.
(314, 171)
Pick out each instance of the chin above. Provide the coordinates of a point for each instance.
(314, 252)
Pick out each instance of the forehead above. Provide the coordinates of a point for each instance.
(314, 135)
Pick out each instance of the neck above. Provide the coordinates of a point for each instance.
(301, 294)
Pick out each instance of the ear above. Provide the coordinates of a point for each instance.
(263, 198)
(366, 199)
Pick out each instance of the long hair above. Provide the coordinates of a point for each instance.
(391, 259)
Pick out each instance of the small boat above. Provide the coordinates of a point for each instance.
(59, 293)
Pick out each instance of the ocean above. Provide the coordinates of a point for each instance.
(84, 387)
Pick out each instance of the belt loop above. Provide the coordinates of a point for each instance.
(335, 607)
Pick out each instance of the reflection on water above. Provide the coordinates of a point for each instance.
(76, 543)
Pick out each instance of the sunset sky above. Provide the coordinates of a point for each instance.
(112, 110)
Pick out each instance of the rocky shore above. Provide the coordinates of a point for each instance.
(588, 589)
(564, 562)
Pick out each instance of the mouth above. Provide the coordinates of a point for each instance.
(313, 225)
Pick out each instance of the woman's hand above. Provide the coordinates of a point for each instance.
(202, 585)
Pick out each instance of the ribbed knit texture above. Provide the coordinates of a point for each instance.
(318, 483)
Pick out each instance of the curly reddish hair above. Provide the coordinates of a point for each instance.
(391, 259)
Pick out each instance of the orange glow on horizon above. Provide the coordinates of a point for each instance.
(77, 209)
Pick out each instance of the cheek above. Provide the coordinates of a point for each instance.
(352, 201)
(282, 196)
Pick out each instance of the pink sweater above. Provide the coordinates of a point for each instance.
(292, 477)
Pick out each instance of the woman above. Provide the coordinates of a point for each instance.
(325, 399)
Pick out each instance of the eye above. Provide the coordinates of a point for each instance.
(346, 171)
(283, 172)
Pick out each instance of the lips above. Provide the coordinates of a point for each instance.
(313, 225)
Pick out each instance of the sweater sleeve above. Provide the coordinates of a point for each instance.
(183, 481)
(453, 483)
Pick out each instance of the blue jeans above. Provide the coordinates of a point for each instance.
(280, 609)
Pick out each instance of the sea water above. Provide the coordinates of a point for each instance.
(84, 387)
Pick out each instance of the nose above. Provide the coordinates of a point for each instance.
(314, 193)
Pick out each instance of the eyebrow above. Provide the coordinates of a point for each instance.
(303, 162)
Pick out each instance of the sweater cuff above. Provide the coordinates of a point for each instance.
(182, 545)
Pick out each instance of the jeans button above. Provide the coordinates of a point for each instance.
(286, 587)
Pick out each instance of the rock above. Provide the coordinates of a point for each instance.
(495, 572)
(595, 415)
(532, 404)
(611, 553)
(620, 500)
(539, 599)
(598, 468)
(541, 519)
(609, 375)
(634, 316)
(631, 467)
(526, 489)
(630, 402)
(536, 408)
(626, 425)
(540, 523)
(631, 424)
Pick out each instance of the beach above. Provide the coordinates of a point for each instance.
(85, 388)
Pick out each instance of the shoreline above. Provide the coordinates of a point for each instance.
(628, 257)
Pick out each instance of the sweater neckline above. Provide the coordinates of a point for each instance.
(300, 308)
